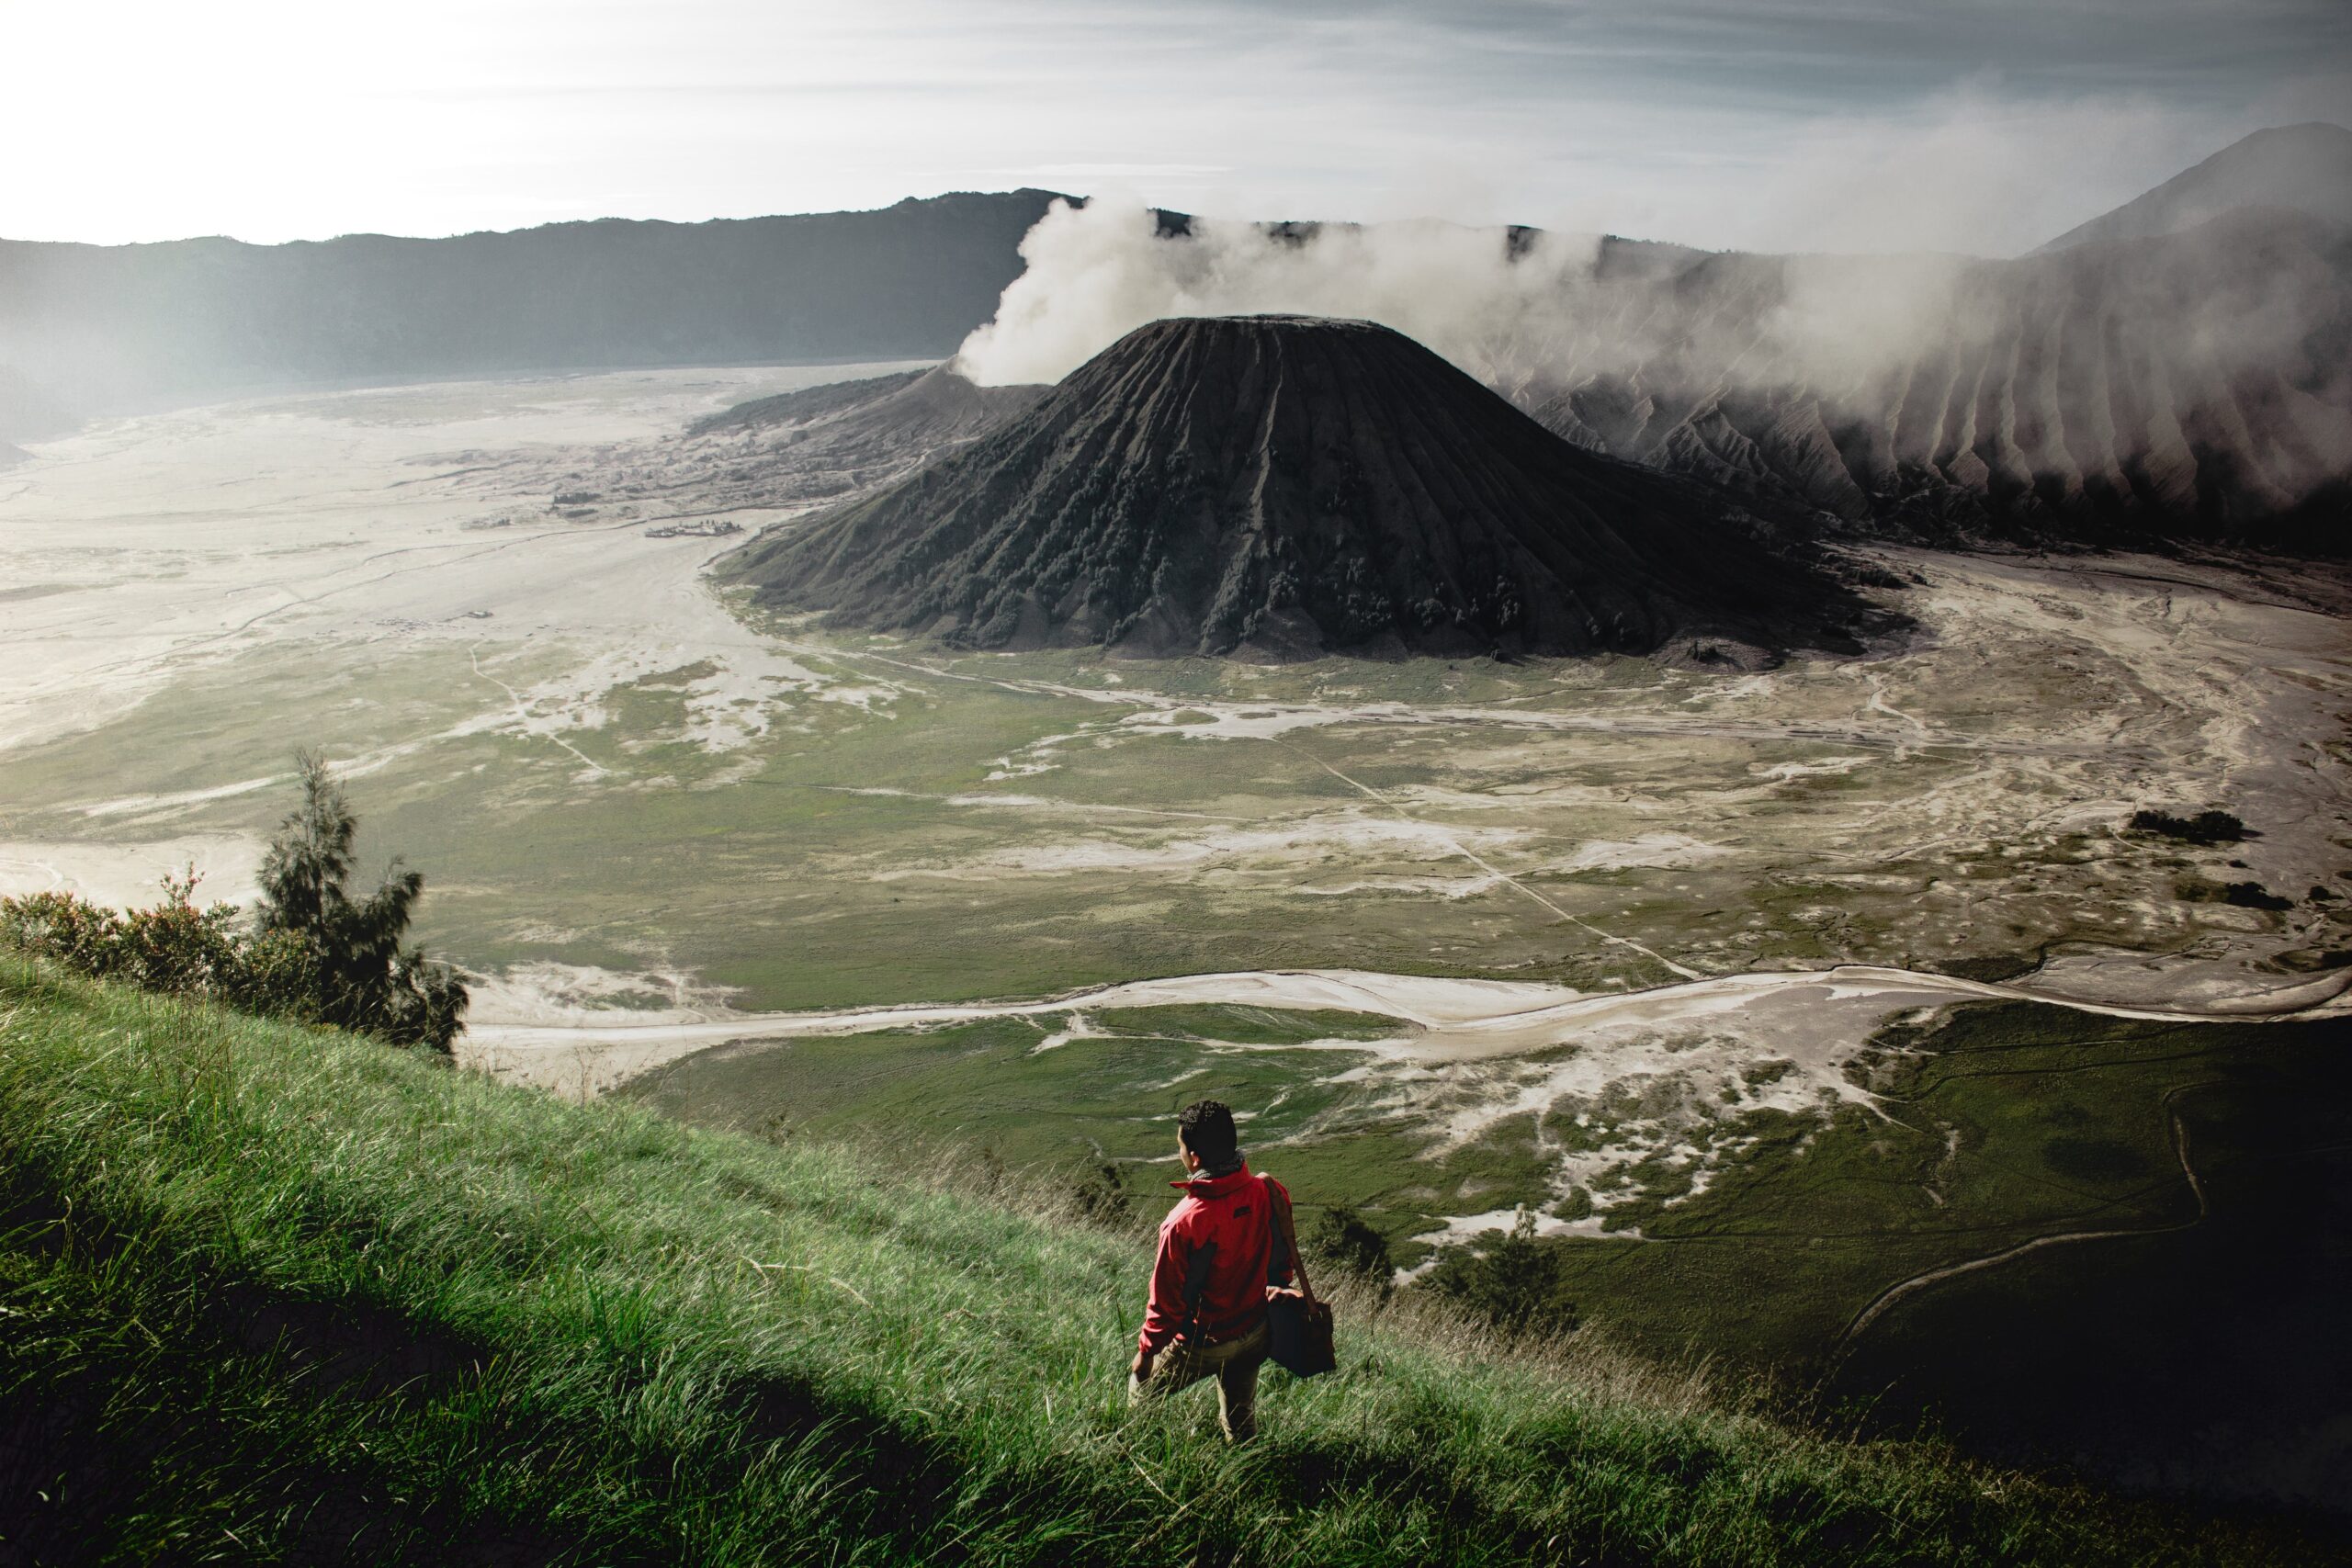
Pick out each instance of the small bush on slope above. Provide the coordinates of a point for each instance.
(171, 947)
(340, 1302)
(1511, 1279)
(2205, 828)
(312, 953)
(1340, 1239)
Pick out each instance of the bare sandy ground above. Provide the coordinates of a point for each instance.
(124, 875)
(1818, 1014)
(140, 550)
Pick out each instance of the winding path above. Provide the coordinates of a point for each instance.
(1896, 1292)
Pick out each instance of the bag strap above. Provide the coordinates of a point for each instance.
(1290, 1237)
(1197, 1284)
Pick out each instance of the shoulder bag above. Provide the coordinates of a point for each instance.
(1300, 1325)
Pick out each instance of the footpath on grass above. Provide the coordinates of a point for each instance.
(277, 1294)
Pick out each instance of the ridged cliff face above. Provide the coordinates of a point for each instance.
(1285, 486)
(2195, 385)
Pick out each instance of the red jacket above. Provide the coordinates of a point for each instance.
(1230, 1215)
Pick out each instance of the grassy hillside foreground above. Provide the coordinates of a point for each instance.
(268, 1294)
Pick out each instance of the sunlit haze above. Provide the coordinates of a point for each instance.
(1983, 126)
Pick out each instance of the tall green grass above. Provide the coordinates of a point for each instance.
(272, 1294)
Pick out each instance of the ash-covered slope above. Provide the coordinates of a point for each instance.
(2305, 168)
(921, 410)
(1286, 485)
(788, 408)
(2192, 386)
(817, 445)
(825, 441)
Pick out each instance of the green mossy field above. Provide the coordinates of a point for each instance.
(276, 1295)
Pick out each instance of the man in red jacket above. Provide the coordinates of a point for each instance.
(1220, 1248)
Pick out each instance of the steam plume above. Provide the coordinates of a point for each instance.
(1509, 306)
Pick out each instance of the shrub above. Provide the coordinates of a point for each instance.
(178, 949)
(174, 947)
(2205, 828)
(1512, 1280)
(1102, 1199)
(311, 955)
(1340, 1239)
(275, 980)
(61, 927)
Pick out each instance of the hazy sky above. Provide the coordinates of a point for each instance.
(1982, 125)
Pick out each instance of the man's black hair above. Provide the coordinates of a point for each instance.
(1206, 1126)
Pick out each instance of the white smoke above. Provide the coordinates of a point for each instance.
(1508, 311)
(1661, 351)
(1096, 273)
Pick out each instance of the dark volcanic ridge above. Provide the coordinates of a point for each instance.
(1285, 486)
(789, 408)
(915, 409)
(815, 446)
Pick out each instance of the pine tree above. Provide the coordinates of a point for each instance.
(363, 979)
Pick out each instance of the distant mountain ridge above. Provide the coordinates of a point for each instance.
(1283, 486)
(90, 329)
